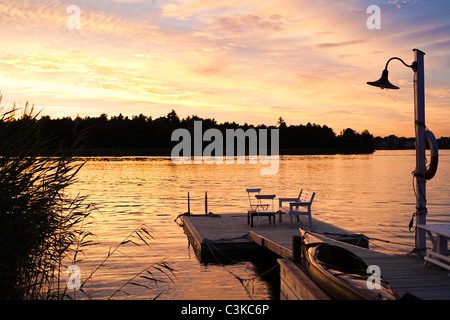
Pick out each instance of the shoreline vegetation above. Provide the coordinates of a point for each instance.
(144, 136)
(43, 227)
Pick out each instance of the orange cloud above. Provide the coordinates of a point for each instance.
(306, 61)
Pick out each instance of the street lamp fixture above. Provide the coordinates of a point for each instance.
(422, 173)
(383, 82)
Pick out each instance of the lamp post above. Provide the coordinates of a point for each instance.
(419, 116)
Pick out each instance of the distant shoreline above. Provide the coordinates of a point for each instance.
(166, 152)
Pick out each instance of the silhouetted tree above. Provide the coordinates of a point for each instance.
(121, 134)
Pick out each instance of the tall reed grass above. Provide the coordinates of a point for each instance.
(41, 224)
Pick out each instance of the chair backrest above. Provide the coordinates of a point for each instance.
(306, 196)
(251, 196)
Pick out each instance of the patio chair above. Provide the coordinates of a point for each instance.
(304, 200)
(260, 206)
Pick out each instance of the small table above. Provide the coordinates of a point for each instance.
(259, 212)
(438, 254)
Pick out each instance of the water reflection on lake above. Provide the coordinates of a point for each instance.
(371, 194)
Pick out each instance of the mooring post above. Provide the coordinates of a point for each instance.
(189, 205)
(296, 248)
(206, 202)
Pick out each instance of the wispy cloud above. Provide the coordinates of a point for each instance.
(306, 61)
(338, 44)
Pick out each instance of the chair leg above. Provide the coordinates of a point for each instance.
(310, 220)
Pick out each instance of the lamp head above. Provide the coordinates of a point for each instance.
(383, 82)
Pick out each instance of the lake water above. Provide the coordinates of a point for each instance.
(370, 194)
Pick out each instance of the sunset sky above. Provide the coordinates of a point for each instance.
(245, 61)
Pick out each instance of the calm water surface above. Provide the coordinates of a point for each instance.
(372, 194)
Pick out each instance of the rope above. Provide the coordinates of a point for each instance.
(178, 217)
(226, 239)
(211, 246)
(415, 174)
(419, 211)
(370, 239)
(240, 279)
(210, 214)
(388, 241)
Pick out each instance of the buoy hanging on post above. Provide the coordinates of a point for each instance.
(432, 168)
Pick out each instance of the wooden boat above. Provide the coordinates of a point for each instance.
(340, 273)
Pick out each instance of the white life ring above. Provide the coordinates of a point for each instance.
(432, 168)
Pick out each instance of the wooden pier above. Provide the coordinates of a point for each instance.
(231, 234)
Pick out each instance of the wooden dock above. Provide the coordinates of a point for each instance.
(231, 234)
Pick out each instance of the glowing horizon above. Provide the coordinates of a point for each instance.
(243, 61)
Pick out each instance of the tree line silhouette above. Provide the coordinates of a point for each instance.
(393, 142)
(143, 135)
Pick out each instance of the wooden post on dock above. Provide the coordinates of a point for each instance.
(421, 168)
(189, 204)
(296, 248)
(206, 202)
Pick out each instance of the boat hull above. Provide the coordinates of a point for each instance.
(339, 272)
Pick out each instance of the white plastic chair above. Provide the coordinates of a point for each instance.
(258, 207)
(304, 201)
(255, 204)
